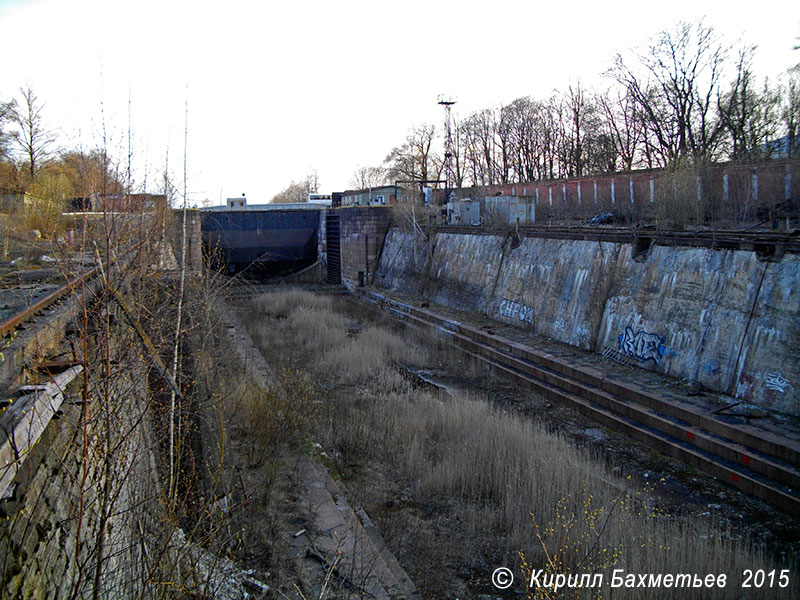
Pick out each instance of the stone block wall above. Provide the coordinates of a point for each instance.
(362, 233)
(51, 520)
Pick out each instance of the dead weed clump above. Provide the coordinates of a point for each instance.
(523, 495)
(365, 355)
(272, 418)
(326, 340)
(279, 304)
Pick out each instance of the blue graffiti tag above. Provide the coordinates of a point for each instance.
(642, 345)
(515, 310)
(711, 367)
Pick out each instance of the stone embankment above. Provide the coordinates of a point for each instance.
(723, 318)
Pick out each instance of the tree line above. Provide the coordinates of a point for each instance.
(31, 162)
(685, 100)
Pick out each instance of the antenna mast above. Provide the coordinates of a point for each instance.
(447, 102)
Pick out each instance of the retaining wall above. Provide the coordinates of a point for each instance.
(51, 518)
(362, 229)
(722, 318)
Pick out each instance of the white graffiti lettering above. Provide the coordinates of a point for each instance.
(515, 310)
(776, 382)
(642, 345)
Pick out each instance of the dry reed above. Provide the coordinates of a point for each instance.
(518, 489)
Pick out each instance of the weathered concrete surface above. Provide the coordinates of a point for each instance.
(465, 267)
(698, 304)
(563, 282)
(346, 542)
(719, 317)
(403, 266)
(22, 423)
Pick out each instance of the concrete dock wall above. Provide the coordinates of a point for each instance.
(722, 318)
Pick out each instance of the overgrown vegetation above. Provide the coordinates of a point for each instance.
(687, 96)
(121, 493)
(461, 486)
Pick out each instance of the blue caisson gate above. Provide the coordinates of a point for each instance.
(266, 241)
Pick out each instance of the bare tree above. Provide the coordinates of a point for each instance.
(415, 158)
(32, 138)
(749, 116)
(369, 177)
(677, 89)
(520, 119)
(297, 191)
(623, 125)
(6, 116)
(580, 113)
(458, 150)
(480, 137)
(8, 171)
(790, 110)
(469, 132)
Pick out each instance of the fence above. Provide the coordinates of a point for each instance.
(719, 194)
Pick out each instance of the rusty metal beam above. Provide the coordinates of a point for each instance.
(9, 325)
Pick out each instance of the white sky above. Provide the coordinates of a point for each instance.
(278, 89)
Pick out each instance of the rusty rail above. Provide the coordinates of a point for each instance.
(9, 325)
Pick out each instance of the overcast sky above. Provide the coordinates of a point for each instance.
(276, 90)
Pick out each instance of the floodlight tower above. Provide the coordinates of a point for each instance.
(447, 102)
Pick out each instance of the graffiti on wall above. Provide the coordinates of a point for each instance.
(776, 382)
(642, 345)
(515, 310)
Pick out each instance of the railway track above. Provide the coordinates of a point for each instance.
(761, 464)
(11, 324)
(771, 245)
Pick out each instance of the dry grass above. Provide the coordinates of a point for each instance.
(360, 358)
(517, 489)
(324, 340)
(281, 304)
(278, 415)
(508, 475)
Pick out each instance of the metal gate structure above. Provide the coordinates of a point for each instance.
(334, 249)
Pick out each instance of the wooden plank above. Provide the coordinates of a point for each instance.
(24, 421)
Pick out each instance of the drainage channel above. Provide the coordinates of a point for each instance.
(759, 464)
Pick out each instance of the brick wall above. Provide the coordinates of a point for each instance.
(728, 191)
